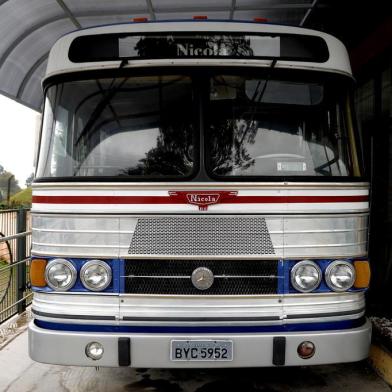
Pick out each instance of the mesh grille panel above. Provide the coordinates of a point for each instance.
(232, 277)
(201, 236)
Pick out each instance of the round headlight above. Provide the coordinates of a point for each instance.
(305, 276)
(60, 274)
(340, 275)
(96, 275)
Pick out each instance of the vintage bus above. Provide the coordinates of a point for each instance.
(199, 199)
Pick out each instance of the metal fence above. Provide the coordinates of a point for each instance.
(15, 244)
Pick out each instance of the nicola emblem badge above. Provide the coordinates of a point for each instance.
(202, 199)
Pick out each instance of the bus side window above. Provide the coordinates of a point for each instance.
(59, 161)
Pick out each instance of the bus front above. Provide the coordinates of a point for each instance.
(199, 200)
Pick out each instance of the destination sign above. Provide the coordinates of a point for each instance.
(200, 46)
(108, 47)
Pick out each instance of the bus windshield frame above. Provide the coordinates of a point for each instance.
(201, 94)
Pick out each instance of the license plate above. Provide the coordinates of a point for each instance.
(201, 350)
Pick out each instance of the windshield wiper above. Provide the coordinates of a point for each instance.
(102, 104)
(259, 96)
(267, 79)
(99, 109)
(111, 91)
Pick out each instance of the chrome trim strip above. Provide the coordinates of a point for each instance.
(245, 232)
(244, 318)
(96, 306)
(317, 231)
(266, 215)
(201, 319)
(189, 185)
(198, 319)
(72, 316)
(181, 257)
(133, 215)
(332, 314)
(79, 246)
(211, 256)
(320, 246)
(132, 231)
(85, 231)
(260, 296)
(186, 257)
(315, 307)
(215, 276)
(286, 214)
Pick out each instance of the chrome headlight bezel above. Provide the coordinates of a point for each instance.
(101, 263)
(328, 274)
(74, 274)
(294, 270)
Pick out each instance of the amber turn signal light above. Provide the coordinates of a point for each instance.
(362, 272)
(37, 272)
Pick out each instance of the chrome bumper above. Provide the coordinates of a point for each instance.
(153, 350)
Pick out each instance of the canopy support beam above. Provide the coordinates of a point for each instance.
(308, 12)
(151, 9)
(26, 34)
(28, 75)
(68, 12)
(232, 9)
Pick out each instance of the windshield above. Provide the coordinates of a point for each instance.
(245, 127)
(139, 126)
(262, 127)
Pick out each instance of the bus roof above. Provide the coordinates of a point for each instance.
(59, 61)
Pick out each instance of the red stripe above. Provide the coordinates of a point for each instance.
(169, 200)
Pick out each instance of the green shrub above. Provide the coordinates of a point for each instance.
(21, 199)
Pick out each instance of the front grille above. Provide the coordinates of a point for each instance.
(232, 277)
(207, 236)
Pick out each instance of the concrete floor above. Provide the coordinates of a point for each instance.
(19, 374)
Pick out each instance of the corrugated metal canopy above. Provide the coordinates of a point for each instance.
(28, 29)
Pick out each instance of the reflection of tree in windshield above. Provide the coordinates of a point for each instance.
(233, 127)
(238, 46)
(173, 154)
(156, 47)
(229, 147)
(284, 134)
(154, 114)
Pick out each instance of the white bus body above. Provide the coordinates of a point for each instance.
(199, 200)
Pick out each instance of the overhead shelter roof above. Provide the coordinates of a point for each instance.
(28, 29)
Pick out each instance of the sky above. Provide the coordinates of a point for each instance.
(17, 138)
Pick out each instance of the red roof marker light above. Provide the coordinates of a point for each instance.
(200, 17)
(260, 20)
(139, 20)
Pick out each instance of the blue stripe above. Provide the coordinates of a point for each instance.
(328, 326)
(121, 263)
(281, 279)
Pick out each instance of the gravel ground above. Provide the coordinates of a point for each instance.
(382, 331)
